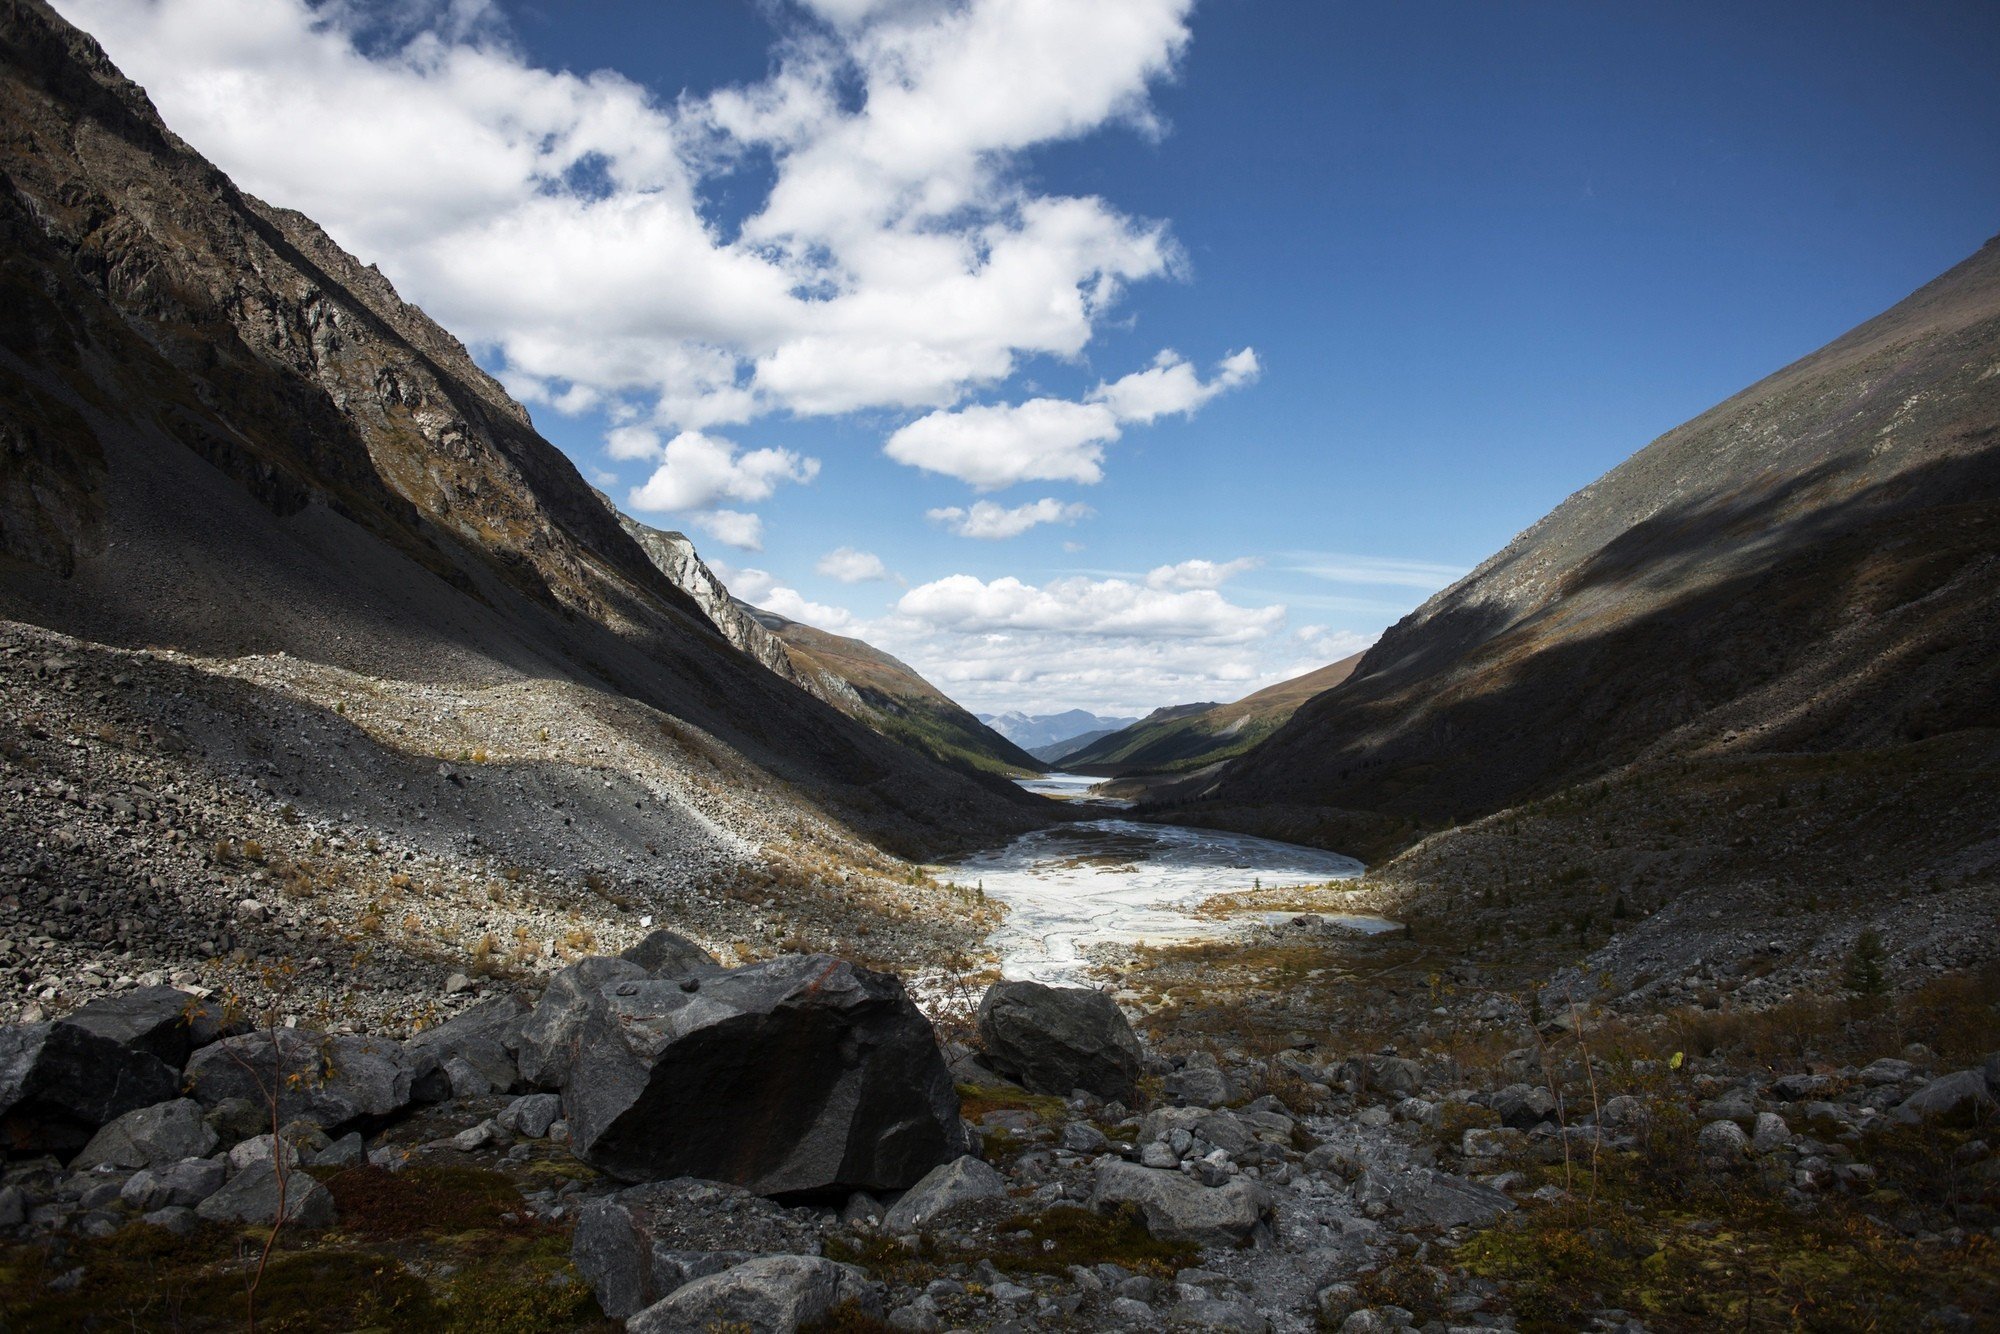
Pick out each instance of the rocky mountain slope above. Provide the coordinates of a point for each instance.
(1186, 737)
(1809, 568)
(888, 695)
(244, 480)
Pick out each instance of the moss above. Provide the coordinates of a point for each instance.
(421, 1201)
(1083, 1237)
(978, 1100)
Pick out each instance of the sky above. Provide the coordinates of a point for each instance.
(1104, 355)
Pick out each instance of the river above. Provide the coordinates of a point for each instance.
(1071, 887)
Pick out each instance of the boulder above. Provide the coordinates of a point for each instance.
(549, 1034)
(163, 1022)
(666, 954)
(329, 1080)
(801, 1074)
(176, 1185)
(943, 1186)
(1058, 1039)
(531, 1114)
(773, 1294)
(1198, 1083)
(1964, 1094)
(1424, 1197)
(1178, 1209)
(150, 1137)
(470, 1054)
(252, 1197)
(1722, 1141)
(1524, 1106)
(60, 1084)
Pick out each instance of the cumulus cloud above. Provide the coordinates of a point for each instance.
(1053, 439)
(996, 445)
(698, 470)
(1107, 607)
(1199, 573)
(1171, 387)
(733, 528)
(901, 258)
(995, 522)
(852, 567)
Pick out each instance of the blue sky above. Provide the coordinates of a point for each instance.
(1418, 270)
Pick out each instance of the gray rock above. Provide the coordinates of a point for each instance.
(666, 954)
(13, 1206)
(942, 1187)
(329, 1080)
(263, 1149)
(1771, 1133)
(1198, 1083)
(350, 1150)
(1524, 1106)
(1083, 1137)
(1057, 1039)
(175, 1218)
(1209, 1313)
(251, 1196)
(164, 1022)
(152, 1136)
(1132, 1311)
(1888, 1070)
(802, 1074)
(550, 1034)
(1963, 1094)
(174, 1185)
(1011, 1293)
(237, 1119)
(532, 1114)
(1158, 1154)
(470, 1054)
(642, 1243)
(1990, 1067)
(60, 1084)
(1425, 1197)
(1177, 1209)
(773, 1294)
(1396, 1075)
(1723, 1141)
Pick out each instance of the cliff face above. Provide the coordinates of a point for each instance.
(224, 434)
(1811, 566)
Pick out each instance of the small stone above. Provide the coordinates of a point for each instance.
(456, 983)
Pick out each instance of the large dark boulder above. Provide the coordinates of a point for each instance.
(328, 1079)
(1059, 1039)
(801, 1075)
(164, 1022)
(59, 1084)
(548, 1042)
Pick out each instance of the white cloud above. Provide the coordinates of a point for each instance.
(994, 522)
(792, 605)
(1200, 573)
(901, 258)
(1171, 386)
(852, 567)
(627, 443)
(1377, 571)
(698, 470)
(749, 584)
(733, 528)
(996, 445)
(1054, 439)
(1107, 608)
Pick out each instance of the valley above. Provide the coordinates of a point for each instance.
(430, 898)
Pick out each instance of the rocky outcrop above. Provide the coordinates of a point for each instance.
(669, 954)
(155, 1136)
(802, 1075)
(471, 1053)
(1059, 1039)
(165, 1022)
(773, 1293)
(328, 1079)
(59, 1084)
(552, 1031)
(943, 1187)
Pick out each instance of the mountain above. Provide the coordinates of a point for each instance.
(1808, 569)
(1040, 731)
(1186, 737)
(228, 438)
(889, 696)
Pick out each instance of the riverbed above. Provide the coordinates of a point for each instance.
(1076, 886)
